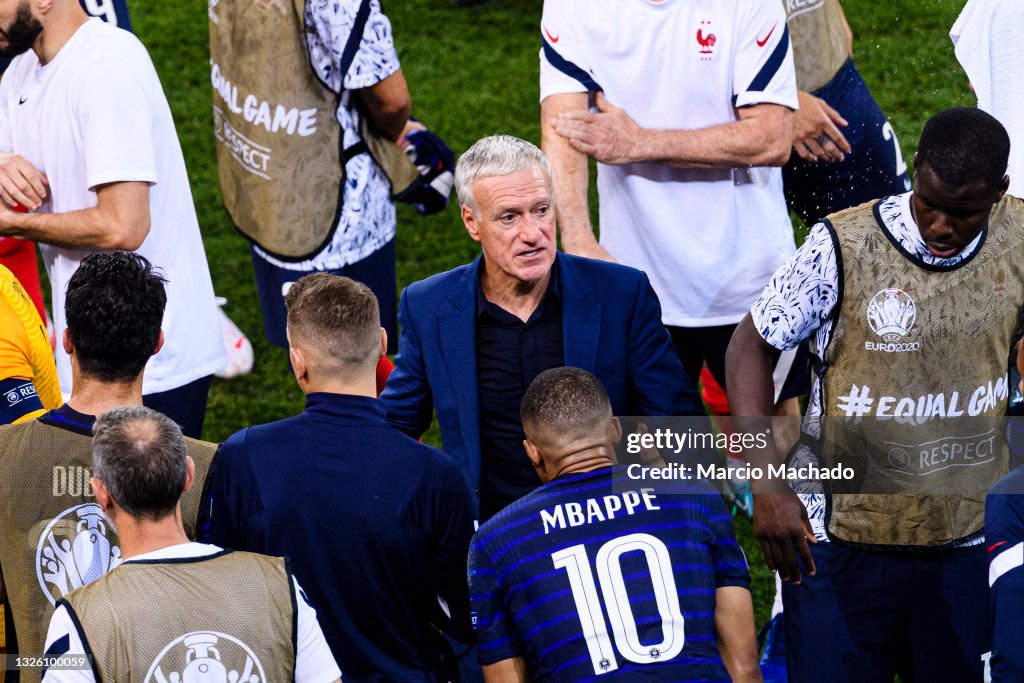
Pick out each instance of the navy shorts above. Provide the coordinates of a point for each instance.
(376, 271)
(186, 405)
(874, 169)
(866, 616)
(698, 346)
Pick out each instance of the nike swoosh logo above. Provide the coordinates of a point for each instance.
(22, 100)
(760, 43)
(553, 39)
(996, 545)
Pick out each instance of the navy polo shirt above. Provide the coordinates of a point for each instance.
(510, 354)
(376, 525)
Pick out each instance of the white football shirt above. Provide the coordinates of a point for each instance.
(709, 239)
(96, 114)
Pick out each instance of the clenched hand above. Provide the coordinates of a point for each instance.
(21, 183)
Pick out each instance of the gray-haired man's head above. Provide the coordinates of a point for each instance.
(141, 458)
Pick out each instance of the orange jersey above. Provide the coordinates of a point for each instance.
(25, 352)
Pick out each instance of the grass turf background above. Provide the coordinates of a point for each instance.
(474, 72)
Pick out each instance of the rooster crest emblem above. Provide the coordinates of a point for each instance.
(891, 314)
(706, 41)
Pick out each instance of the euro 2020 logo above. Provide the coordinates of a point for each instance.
(204, 657)
(74, 549)
(891, 314)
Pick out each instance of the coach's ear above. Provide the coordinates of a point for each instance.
(159, 344)
(470, 221)
(65, 341)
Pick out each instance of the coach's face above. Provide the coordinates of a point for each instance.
(949, 218)
(18, 28)
(514, 224)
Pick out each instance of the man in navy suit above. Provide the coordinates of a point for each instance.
(474, 338)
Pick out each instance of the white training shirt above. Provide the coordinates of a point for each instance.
(96, 114)
(987, 43)
(314, 662)
(709, 239)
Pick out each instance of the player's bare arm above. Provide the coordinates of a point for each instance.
(506, 671)
(761, 137)
(571, 177)
(120, 220)
(816, 134)
(21, 182)
(388, 105)
(734, 629)
(780, 519)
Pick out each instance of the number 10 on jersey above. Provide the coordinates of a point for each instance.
(575, 562)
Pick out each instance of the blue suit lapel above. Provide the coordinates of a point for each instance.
(581, 316)
(457, 332)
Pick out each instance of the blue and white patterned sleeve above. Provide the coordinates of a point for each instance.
(801, 295)
(328, 25)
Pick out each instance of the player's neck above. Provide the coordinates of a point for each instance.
(60, 24)
(517, 297)
(138, 537)
(93, 397)
(585, 461)
(364, 386)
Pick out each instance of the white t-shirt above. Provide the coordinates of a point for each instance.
(367, 219)
(709, 239)
(987, 43)
(96, 114)
(314, 662)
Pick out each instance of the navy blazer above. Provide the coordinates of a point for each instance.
(611, 326)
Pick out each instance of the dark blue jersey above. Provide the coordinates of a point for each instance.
(1004, 537)
(587, 580)
(376, 525)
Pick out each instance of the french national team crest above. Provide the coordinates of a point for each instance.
(705, 40)
(891, 314)
(206, 657)
(76, 547)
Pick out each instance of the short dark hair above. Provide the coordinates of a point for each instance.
(141, 457)
(565, 399)
(114, 307)
(337, 317)
(962, 145)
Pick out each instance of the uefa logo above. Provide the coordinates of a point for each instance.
(899, 458)
(206, 657)
(76, 547)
